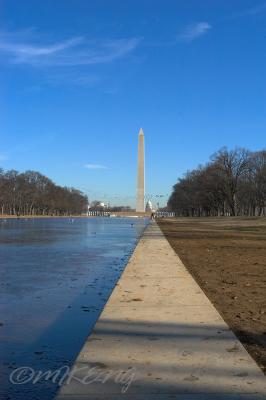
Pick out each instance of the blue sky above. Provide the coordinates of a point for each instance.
(79, 78)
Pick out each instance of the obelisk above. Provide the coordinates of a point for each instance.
(140, 180)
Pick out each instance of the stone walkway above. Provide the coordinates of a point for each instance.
(159, 337)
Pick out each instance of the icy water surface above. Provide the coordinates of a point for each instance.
(56, 275)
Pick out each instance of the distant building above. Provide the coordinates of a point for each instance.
(149, 207)
(98, 206)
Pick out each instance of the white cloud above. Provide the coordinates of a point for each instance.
(258, 9)
(21, 50)
(194, 31)
(74, 51)
(95, 166)
(70, 77)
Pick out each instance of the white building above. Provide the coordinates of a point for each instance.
(149, 206)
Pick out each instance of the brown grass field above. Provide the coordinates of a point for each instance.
(227, 257)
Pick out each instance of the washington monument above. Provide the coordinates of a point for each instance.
(141, 180)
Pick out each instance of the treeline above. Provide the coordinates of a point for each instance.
(232, 183)
(31, 193)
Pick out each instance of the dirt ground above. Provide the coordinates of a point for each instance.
(227, 257)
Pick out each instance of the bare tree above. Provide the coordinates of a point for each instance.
(31, 193)
(232, 183)
(232, 165)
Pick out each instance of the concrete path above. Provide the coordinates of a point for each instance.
(159, 337)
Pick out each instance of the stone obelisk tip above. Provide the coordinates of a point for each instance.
(141, 131)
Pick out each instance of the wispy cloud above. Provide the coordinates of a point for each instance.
(22, 50)
(192, 32)
(71, 77)
(70, 52)
(258, 9)
(95, 166)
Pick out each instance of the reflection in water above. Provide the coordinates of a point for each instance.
(56, 275)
